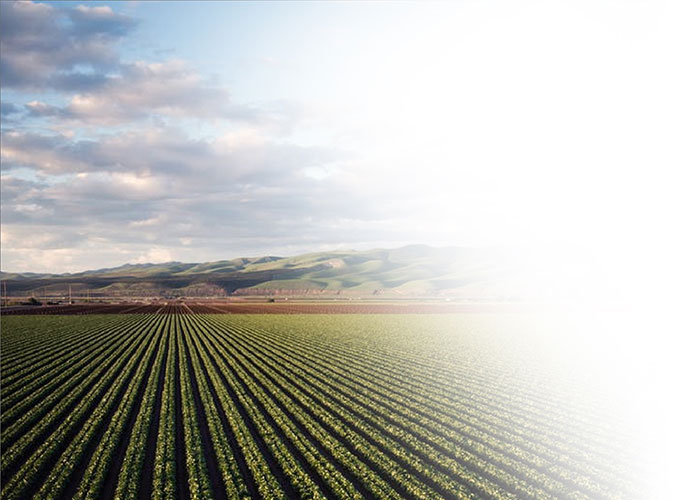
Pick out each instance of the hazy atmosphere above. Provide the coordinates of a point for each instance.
(368, 250)
(150, 132)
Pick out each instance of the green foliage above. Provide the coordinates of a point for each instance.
(309, 406)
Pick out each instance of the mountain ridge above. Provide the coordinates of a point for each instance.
(407, 270)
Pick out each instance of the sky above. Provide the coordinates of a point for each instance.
(196, 131)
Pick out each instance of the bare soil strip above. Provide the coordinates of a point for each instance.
(198, 307)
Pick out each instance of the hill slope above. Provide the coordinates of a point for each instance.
(415, 270)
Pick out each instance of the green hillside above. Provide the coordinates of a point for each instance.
(410, 270)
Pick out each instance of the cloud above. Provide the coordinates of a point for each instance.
(157, 188)
(143, 89)
(78, 81)
(99, 21)
(162, 150)
(43, 45)
(39, 109)
(9, 108)
(131, 178)
(154, 254)
(73, 51)
(199, 199)
(48, 154)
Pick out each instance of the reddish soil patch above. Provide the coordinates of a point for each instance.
(350, 308)
(205, 307)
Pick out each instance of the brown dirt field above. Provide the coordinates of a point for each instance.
(206, 307)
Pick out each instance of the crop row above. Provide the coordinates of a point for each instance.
(202, 406)
(48, 466)
(447, 434)
(64, 372)
(455, 393)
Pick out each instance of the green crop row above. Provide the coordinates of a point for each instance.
(36, 340)
(60, 464)
(66, 404)
(130, 473)
(231, 477)
(98, 466)
(393, 378)
(55, 385)
(52, 349)
(396, 409)
(273, 407)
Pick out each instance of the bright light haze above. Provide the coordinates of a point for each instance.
(150, 132)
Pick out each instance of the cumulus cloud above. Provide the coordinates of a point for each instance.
(189, 221)
(142, 89)
(93, 165)
(44, 46)
(39, 109)
(73, 51)
(158, 186)
(49, 154)
(99, 21)
(162, 150)
(155, 254)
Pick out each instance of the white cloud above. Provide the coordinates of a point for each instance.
(143, 89)
(458, 123)
(155, 255)
(43, 46)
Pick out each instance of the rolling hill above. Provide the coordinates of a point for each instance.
(415, 270)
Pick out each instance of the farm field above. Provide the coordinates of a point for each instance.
(193, 405)
(261, 307)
